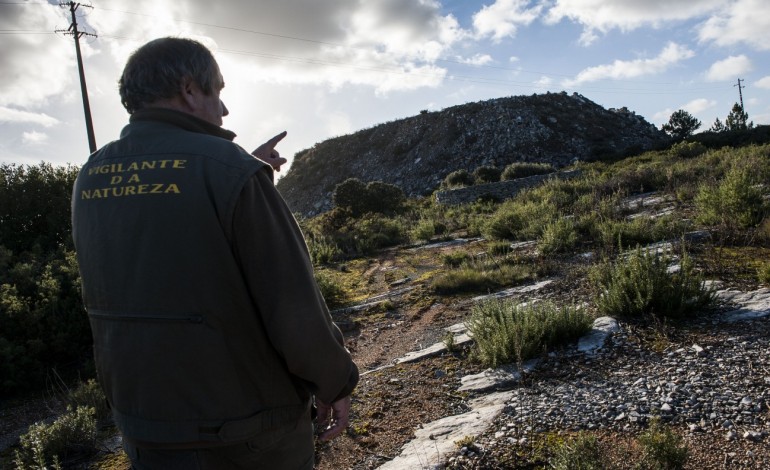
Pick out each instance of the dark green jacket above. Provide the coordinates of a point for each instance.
(208, 325)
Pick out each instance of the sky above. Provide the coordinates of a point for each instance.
(321, 69)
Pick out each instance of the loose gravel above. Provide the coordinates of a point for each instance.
(713, 387)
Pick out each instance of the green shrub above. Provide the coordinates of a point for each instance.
(384, 198)
(35, 206)
(349, 194)
(339, 234)
(426, 229)
(688, 149)
(662, 449)
(333, 293)
(376, 232)
(638, 231)
(506, 332)
(578, 453)
(499, 248)
(41, 313)
(360, 198)
(323, 250)
(735, 203)
(558, 236)
(89, 394)
(458, 179)
(522, 170)
(71, 433)
(455, 259)
(640, 284)
(763, 273)
(487, 174)
(469, 278)
(517, 220)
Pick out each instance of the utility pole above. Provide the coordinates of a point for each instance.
(73, 30)
(740, 94)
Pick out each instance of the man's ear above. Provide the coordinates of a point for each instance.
(189, 91)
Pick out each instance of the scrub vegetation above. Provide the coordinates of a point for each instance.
(588, 227)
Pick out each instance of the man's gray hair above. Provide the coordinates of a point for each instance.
(158, 69)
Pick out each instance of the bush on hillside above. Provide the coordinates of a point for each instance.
(73, 433)
(375, 197)
(427, 229)
(322, 249)
(688, 149)
(517, 220)
(578, 453)
(734, 203)
(763, 273)
(559, 236)
(612, 233)
(642, 284)
(487, 174)
(458, 179)
(506, 332)
(522, 170)
(333, 293)
(44, 325)
(662, 449)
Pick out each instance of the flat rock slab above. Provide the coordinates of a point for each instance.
(496, 379)
(455, 242)
(752, 305)
(514, 291)
(432, 350)
(436, 441)
(602, 328)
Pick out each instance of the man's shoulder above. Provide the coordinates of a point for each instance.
(160, 138)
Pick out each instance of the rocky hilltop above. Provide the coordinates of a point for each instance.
(416, 153)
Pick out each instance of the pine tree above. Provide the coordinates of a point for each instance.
(718, 126)
(681, 125)
(738, 119)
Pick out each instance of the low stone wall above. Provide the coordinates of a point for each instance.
(499, 191)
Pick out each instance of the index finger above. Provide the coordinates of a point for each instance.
(274, 141)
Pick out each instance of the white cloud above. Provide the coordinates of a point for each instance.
(626, 15)
(544, 82)
(502, 18)
(763, 82)
(741, 21)
(724, 22)
(620, 69)
(699, 105)
(33, 137)
(694, 107)
(729, 68)
(35, 67)
(478, 59)
(19, 116)
(335, 42)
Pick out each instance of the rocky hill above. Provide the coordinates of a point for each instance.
(416, 153)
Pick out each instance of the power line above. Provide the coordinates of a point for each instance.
(23, 31)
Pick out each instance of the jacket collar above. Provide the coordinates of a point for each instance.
(185, 121)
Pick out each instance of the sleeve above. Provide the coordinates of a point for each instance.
(279, 274)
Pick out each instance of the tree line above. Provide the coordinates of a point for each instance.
(43, 326)
(682, 124)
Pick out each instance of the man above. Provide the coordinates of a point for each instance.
(211, 337)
